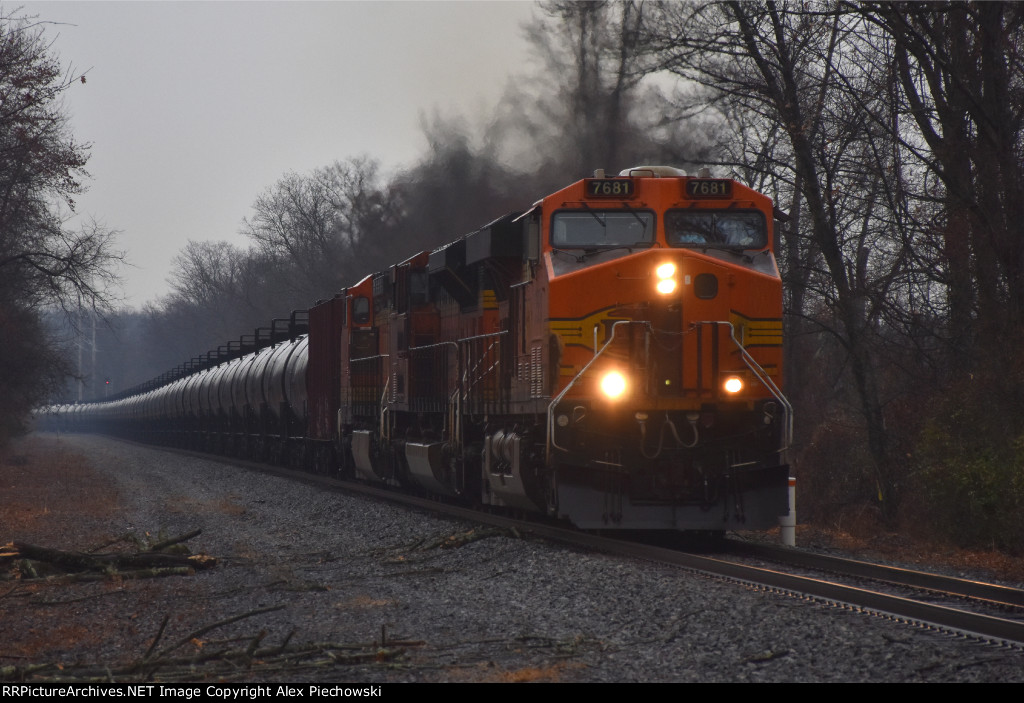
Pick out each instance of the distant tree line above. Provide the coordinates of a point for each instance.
(891, 134)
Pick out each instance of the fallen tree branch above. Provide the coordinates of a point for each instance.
(159, 634)
(79, 561)
(86, 566)
(220, 664)
(203, 630)
(174, 540)
(472, 535)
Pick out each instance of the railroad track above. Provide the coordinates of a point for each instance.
(986, 594)
(963, 621)
(989, 612)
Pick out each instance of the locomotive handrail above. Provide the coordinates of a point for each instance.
(365, 396)
(435, 344)
(385, 430)
(454, 426)
(467, 372)
(483, 336)
(551, 406)
(455, 400)
(763, 377)
(751, 363)
(369, 358)
(455, 429)
(470, 371)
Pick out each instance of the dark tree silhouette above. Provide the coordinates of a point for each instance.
(43, 261)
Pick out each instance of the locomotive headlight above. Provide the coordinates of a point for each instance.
(666, 278)
(613, 385)
(733, 384)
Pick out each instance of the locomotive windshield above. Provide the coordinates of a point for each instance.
(743, 229)
(597, 229)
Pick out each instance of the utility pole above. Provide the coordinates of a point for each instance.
(80, 382)
(95, 390)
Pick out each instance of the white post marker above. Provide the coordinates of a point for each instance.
(788, 522)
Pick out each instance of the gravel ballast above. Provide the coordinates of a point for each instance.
(349, 569)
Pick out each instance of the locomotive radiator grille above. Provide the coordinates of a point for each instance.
(536, 372)
(429, 384)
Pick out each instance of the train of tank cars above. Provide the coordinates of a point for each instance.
(611, 356)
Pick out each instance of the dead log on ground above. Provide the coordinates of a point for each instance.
(75, 566)
(79, 561)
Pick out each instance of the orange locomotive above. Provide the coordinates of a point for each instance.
(613, 356)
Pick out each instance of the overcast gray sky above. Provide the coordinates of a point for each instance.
(194, 108)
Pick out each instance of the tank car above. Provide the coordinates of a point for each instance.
(611, 356)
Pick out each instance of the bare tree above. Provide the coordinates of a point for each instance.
(43, 260)
(795, 82)
(960, 68)
(314, 223)
(207, 272)
(42, 167)
(585, 105)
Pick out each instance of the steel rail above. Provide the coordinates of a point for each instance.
(1002, 596)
